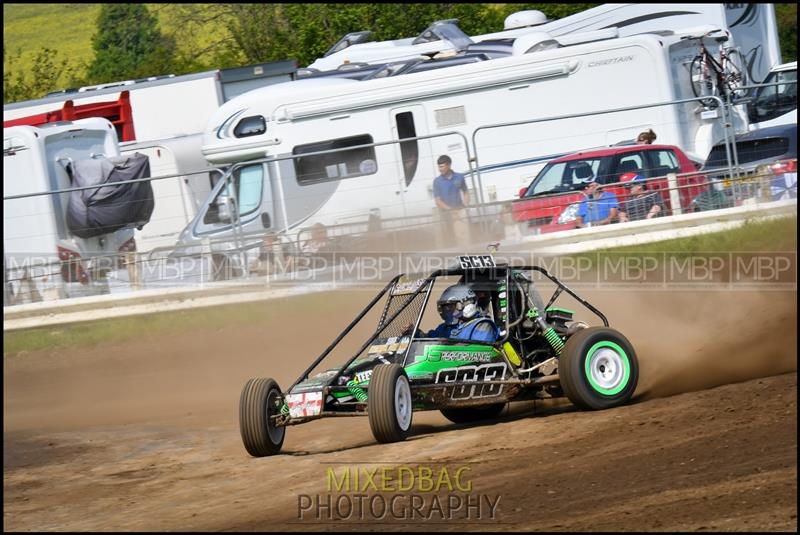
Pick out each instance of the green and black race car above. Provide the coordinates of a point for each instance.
(542, 352)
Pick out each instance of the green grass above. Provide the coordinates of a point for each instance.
(161, 324)
(65, 28)
(68, 29)
(778, 235)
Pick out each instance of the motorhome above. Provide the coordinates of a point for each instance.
(428, 107)
(38, 246)
(753, 28)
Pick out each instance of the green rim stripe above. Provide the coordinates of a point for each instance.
(626, 372)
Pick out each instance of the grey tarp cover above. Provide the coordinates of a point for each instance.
(93, 212)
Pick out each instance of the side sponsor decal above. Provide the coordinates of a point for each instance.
(305, 404)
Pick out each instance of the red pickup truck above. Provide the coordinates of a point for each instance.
(551, 201)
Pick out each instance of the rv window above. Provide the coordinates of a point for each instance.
(409, 150)
(248, 183)
(335, 165)
(250, 126)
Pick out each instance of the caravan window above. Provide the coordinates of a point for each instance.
(335, 165)
(250, 126)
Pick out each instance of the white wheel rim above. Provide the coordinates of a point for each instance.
(402, 403)
(607, 368)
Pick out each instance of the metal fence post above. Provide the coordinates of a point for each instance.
(674, 196)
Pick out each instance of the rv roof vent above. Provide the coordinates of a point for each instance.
(534, 42)
(350, 39)
(523, 19)
(347, 66)
(447, 31)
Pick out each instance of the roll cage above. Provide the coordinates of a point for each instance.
(408, 301)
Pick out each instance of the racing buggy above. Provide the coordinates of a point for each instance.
(541, 352)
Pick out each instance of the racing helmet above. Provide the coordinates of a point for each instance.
(456, 302)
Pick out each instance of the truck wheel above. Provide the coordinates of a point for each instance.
(598, 368)
(473, 414)
(389, 403)
(260, 400)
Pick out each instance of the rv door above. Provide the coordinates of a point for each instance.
(247, 192)
(413, 157)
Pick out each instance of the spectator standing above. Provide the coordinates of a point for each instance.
(646, 138)
(451, 197)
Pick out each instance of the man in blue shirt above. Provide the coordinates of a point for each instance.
(451, 196)
(598, 207)
(449, 186)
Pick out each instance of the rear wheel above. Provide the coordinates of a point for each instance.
(259, 403)
(389, 403)
(704, 80)
(598, 368)
(474, 414)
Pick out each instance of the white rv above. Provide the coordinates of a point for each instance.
(37, 245)
(753, 28)
(531, 77)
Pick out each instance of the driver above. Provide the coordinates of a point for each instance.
(463, 319)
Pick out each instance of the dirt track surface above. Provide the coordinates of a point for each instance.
(144, 436)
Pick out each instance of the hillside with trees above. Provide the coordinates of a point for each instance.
(54, 46)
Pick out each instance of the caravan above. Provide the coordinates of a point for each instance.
(360, 142)
(43, 246)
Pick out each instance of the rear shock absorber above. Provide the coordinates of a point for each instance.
(549, 333)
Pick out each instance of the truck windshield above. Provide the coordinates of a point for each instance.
(749, 151)
(564, 176)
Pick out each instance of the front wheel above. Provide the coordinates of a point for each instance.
(259, 403)
(389, 403)
(704, 80)
(598, 368)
